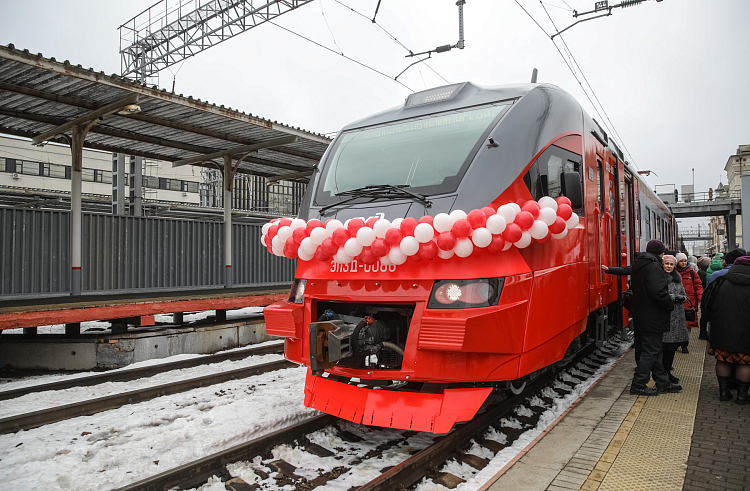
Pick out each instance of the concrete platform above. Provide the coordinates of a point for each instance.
(611, 440)
(87, 352)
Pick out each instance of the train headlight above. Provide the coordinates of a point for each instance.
(297, 294)
(465, 294)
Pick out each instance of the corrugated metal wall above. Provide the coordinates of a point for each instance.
(125, 253)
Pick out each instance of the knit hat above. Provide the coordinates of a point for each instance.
(655, 247)
(668, 258)
(693, 260)
(731, 256)
(704, 262)
(742, 261)
(680, 256)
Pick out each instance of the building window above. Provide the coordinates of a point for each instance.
(151, 182)
(87, 175)
(174, 184)
(29, 168)
(189, 186)
(2, 165)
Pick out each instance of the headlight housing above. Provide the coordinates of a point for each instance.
(465, 294)
(297, 295)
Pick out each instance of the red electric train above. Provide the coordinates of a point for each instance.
(406, 316)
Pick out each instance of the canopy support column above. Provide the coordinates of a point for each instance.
(228, 178)
(78, 135)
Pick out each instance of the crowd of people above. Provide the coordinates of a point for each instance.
(672, 293)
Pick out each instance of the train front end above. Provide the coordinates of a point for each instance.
(412, 291)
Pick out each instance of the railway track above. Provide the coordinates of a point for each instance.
(380, 458)
(92, 406)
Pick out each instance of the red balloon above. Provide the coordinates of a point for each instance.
(380, 248)
(497, 243)
(290, 248)
(268, 247)
(407, 226)
(446, 241)
(354, 225)
(416, 258)
(428, 250)
(564, 211)
(524, 220)
(393, 236)
(320, 254)
(532, 207)
(488, 211)
(545, 239)
(512, 233)
(314, 223)
(328, 247)
(284, 222)
(461, 228)
(426, 219)
(272, 230)
(367, 257)
(275, 220)
(558, 226)
(298, 234)
(371, 221)
(340, 236)
(563, 200)
(477, 218)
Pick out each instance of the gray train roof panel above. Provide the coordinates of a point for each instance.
(37, 94)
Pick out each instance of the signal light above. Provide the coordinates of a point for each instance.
(465, 294)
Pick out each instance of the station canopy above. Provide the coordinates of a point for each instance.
(39, 94)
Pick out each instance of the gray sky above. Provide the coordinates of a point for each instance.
(672, 76)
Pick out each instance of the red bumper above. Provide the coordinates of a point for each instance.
(436, 413)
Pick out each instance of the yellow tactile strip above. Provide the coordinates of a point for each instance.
(651, 447)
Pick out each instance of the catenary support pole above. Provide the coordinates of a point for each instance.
(228, 178)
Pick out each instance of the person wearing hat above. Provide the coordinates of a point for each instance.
(727, 305)
(652, 309)
(716, 265)
(703, 263)
(678, 331)
(693, 290)
(727, 262)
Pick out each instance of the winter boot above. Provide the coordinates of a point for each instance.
(724, 393)
(742, 397)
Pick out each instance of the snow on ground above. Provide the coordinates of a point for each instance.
(10, 384)
(114, 448)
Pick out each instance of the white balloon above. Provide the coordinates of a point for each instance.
(424, 232)
(547, 215)
(496, 224)
(308, 246)
(409, 246)
(561, 234)
(263, 239)
(366, 236)
(548, 202)
(396, 256)
(397, 223)
(298, 223)
(525, 240)
(342, 257)
(333, 225)
(516, 207)
(381, 227)
(284, 233)
(445, 254)
(539, 229)
(507, 212)
(303, 254)
(346, 223)
(442, 222)
(318, 235)
(276, 242)
(507, 245)
(464, 247)
(265, 228)
(458, 215)
(481, 237)
(385, 260)
(352, 247)
(572, 221)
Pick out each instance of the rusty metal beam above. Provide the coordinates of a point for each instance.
(236, 150)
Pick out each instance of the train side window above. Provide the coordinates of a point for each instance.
(648, 223)
(600, 185)
(544, 177)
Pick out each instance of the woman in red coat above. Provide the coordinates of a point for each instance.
(693, 288)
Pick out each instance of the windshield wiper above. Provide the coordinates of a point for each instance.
(382, 191)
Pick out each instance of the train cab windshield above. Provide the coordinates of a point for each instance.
(427, 154)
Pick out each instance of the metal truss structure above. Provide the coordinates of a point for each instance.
(171, 31)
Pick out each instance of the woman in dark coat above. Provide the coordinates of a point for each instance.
(727, 305)
(678, 333)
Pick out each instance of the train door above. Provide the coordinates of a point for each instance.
(601, 229)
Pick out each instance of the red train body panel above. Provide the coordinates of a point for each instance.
(551, 293)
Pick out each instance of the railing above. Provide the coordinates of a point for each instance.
(710, 196)
(126, 253)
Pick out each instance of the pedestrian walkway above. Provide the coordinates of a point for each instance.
(612, 440)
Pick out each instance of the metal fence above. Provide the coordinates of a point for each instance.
(126, 253)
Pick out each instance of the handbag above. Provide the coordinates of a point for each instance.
(690, 313)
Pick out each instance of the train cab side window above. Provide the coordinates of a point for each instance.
(544, 177)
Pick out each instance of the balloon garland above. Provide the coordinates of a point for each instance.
(444, 235)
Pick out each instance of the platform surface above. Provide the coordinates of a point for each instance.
(612, 440)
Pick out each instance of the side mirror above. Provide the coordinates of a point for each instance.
(571, 188)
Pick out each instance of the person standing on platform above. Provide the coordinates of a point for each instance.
(727, 305)
(652, 309)
(693, 290)
(678, 332)
(716, 265)
(703, 264)
(727, 262)
(693, 261)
